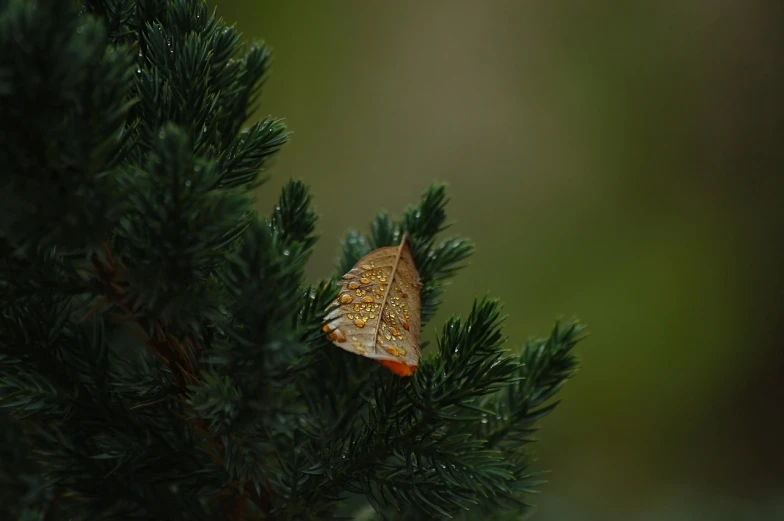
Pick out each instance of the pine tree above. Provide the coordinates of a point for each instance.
(161, 357)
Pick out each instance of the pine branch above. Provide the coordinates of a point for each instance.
(545, 366)
(416, 448)
(161, 356)
(176, 232)
(404, 427)
(64, 100)
(293, 218)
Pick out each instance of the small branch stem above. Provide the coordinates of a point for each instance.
(175, 355)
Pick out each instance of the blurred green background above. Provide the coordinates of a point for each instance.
(618, 161)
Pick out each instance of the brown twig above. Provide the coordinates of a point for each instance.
(174, 355)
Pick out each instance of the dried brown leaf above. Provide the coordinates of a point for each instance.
(377, 313)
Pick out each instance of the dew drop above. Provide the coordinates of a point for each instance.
(345, 298)
(364, 280)
(359, 323)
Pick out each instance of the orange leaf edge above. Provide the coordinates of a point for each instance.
(399, 368)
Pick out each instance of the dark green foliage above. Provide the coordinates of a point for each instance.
(161, 356)
(64, 98)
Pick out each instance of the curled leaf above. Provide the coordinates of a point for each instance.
(377, 312)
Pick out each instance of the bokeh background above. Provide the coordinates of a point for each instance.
(618, 161)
